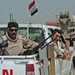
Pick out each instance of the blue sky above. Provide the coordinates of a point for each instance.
(47, 10)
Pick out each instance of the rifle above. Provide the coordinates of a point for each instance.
(35, 50)
(42, 43)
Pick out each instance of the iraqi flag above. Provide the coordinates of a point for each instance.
(32, 8)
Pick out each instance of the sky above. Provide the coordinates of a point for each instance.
(47, 10)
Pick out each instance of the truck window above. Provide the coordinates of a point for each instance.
(2, 31)
(23, 31)
(31, 33)
(36, 34)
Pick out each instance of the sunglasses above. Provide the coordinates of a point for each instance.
(14, 30)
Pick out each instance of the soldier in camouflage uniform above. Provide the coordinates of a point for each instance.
(16, 42)
(66, 55)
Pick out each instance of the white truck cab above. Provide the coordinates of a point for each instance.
(27, 65)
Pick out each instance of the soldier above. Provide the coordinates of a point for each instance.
(67, 53)
(16, 42)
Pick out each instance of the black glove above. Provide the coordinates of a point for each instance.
(3, 44)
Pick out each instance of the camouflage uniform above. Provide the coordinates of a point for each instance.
(16, 46)
(66, 54)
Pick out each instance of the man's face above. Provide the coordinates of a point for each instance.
(56, 36)
(12, 32)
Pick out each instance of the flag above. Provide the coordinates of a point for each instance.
(32, 8)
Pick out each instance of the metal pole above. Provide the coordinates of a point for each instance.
(10, 17)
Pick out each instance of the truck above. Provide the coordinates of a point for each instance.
(37, 63)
